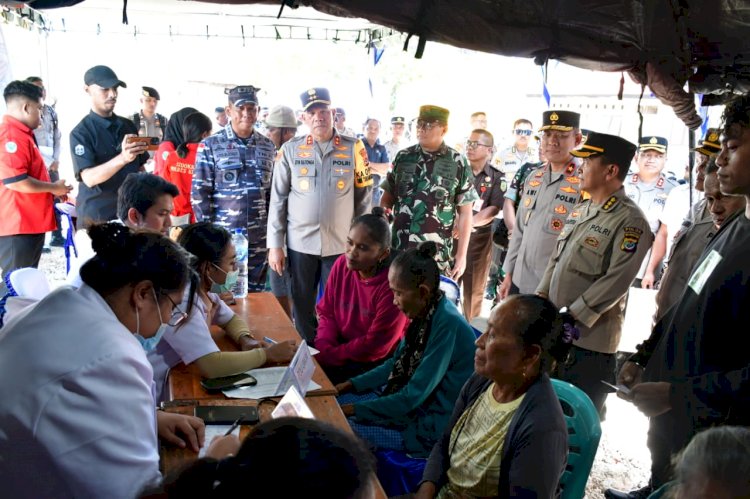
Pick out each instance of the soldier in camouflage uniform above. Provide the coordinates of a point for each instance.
(232, 180)
(430, 184)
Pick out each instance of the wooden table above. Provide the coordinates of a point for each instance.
(325, 408)
(266, 318)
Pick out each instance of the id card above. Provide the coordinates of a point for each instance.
(704, 270)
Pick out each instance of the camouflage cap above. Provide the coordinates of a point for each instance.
(563, 121)
(710, 145)
(434, 113)
(658, 144)
(242, 94)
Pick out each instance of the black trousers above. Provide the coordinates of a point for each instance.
(54, 176)
(19, 251)
(308, 273)
(586, 369)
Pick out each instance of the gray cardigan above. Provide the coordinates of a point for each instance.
(535, 451)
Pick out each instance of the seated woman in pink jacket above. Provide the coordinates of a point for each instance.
(358, 324)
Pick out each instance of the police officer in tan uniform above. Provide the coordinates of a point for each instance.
(549, 194)
(596, 258)
(320, 184)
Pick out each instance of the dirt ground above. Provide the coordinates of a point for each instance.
(622, 460)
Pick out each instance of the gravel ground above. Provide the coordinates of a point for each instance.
(622, 460)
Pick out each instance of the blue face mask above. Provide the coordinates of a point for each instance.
(149, 344)
(228, 284)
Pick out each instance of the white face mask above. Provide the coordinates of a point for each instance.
(149, 344)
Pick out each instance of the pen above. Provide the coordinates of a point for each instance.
(234, 425)
(269, 340)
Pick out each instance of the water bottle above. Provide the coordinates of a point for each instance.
(240, 244)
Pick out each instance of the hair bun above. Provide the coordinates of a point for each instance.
(427, 249)
(109, 239)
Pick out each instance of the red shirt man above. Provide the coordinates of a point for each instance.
(26, 193)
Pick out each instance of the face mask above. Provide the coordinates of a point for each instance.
(229, 282)
(149, 344)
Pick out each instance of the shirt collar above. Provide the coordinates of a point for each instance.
(101, 120)
(16, 124)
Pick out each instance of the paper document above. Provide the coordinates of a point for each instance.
(276, 381)
(213, 431)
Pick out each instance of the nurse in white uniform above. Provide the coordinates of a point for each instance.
(77, 417)
(215, 263)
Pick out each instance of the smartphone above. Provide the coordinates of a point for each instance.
(227, 414)
(228, 382)
(618, 388)
(151, 143)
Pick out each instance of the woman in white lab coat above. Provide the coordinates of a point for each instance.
(215, 262)
(77, 417)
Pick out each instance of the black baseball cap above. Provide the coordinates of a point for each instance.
(103, 76)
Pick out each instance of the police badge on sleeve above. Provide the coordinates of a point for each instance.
(630, 239)
(79, 150)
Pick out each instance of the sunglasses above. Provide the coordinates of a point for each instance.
(427, 125)
(473, 144)
(521, 131)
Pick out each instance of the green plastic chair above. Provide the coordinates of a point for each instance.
(584, 433)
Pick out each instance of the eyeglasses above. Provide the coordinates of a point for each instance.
(427, 125)
(178, 316)
(473, 144)
(522, 131)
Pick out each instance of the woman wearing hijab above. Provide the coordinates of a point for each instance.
(173, 137)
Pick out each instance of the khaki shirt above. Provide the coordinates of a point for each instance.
(546, 201)
(689, 242)
(316, 192)
(597, 256)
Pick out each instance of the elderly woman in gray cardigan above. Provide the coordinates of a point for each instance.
(507, 436)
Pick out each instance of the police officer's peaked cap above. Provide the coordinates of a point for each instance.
(563, 121)
(710, 145)
(617, 149)
(150, 92)
(396, 120)
(434, 113)
(242, 94)
(219, 109)
(103, 76)
(651, 142)
(314, 96)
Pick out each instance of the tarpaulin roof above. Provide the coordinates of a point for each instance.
(663, 44)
